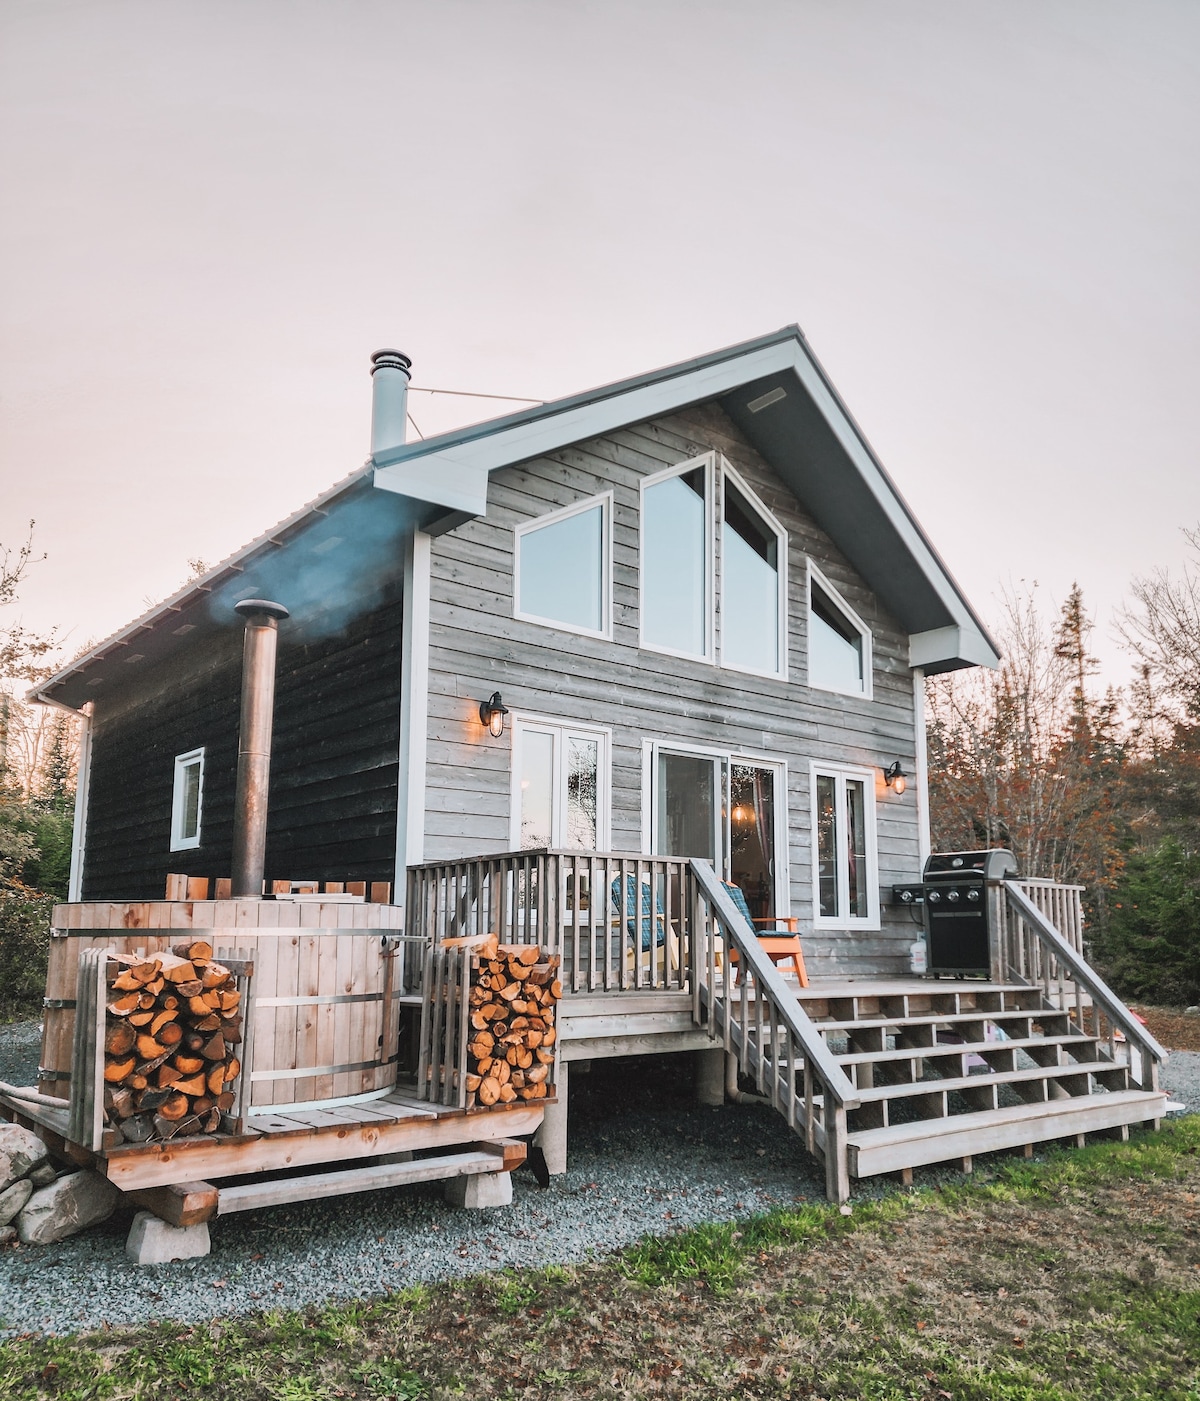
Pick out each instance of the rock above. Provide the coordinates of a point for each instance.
(68, 1205)
(13, 1198)
(1191, 1011)
(20, 1150)
(44, 1175)
(153, 1241)
(8, 1234)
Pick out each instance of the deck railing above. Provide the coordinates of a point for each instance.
(760, 1020)
(620, 922)
(1061, 904)
(1034, 952)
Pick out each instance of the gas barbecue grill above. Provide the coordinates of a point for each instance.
(953, 896)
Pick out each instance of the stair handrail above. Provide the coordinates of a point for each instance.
(776, 1009)
(1086, 977)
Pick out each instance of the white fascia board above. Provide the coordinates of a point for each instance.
(892, 506)
(457, 476)
(965, 645)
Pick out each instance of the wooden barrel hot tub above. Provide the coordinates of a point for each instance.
(329, 978)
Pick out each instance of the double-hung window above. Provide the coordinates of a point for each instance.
(560, 785)
(845, 888)
(562, 572)
(726, 605)
(839, 642)
(187, 800)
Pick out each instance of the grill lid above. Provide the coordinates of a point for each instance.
(997, 864)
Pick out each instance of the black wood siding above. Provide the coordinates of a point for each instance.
(333, 768)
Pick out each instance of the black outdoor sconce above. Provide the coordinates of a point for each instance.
(894, 778)
(491, 713)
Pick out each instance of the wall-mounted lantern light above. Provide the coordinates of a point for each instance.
(894, 778)
(491, 713)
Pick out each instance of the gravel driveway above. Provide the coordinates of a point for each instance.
(644, 1159)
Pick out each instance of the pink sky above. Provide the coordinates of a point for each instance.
(983, 215)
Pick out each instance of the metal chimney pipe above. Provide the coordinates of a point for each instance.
(254, 744)
(391, 371)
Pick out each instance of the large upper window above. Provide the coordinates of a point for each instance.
(187, 799)
(677, 559)
(563, 571)
(839, 642)
(844, 839)
(560, 786)
(753, 583)
(684, 576)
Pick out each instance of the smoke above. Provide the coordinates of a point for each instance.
(332, 571)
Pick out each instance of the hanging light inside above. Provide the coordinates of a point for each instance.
(895, 779)
(491, 713)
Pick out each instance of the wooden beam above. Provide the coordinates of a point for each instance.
(179, 1203)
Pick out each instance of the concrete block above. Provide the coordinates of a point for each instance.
(551, 1138)
(153, 1241)
(480, 1189)
(21, 1150)
(68, 1205)
(710, 1076)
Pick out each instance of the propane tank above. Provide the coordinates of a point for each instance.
(918, 960)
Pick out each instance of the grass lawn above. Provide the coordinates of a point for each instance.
(1079, 1277)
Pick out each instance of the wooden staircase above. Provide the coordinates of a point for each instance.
(881, 1078)
(956, 1071)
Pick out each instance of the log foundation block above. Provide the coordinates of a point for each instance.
(153, 1241)
(710, 1076)
(551, 1138)
(481, 1189)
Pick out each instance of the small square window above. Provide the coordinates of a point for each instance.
(187, 800)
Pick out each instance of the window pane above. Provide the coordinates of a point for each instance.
(190, 824)
(583, 762)
(750, 587)
(686, 806)
(827, 846)
(835, 647)
(674, 563)
(562, 570)
(537, 784)
(856, 847)
(752, 837)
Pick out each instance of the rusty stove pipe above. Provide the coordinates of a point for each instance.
(254, 744)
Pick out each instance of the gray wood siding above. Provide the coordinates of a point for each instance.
(476, 646)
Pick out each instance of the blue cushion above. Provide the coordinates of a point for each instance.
(738, 896)
(631, 911)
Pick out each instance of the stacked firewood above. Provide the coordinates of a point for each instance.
(514, 992)
(170, 1040)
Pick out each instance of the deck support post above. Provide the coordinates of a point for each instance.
(710, 1075)
(551, 1138)
(837, 1166)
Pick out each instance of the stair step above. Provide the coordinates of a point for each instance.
(888, 1023)
(874, 1151)
(964, 1048)
(985, 1078)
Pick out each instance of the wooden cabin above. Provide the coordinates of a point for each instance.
(637, 642)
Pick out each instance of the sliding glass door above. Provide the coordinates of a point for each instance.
(723, 809)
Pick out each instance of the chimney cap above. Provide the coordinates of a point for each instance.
(390, 360)
(248, 607)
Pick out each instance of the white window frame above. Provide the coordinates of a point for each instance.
(562, 730)
(604, 500)
(769, 519)
(708, 461)
(183, 762)
(868, 648)
(651, 749)
(840, 773)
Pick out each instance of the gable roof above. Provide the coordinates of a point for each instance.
(806, 433)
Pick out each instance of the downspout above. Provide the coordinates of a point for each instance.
(924, 844)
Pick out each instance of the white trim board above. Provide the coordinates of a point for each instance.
(414, 707)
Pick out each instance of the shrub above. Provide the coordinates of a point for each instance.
(1151, 948)
(24, 950)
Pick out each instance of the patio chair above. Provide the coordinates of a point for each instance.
(649, 919)
(778, 947)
